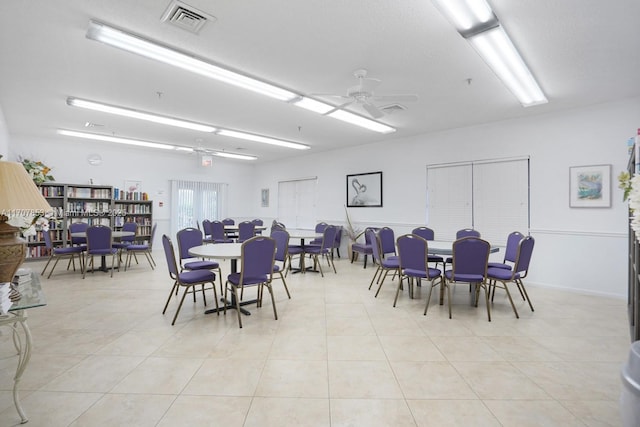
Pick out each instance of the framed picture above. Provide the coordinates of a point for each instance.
(590, 186)
(264, 197)
(364, 190)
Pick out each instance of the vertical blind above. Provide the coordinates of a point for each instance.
(490, 196)
(297, 203)
(193, 201)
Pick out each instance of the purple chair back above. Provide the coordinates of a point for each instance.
(424, 232)
(513, 242)
(246, 230)
(217, 232)
(257, 222)
(47, 239)
(338, 236)
(206, 228)
(413, 253)
(187, 239)
(467, 232)
(78, 227)
(387, 241)
(282, 244)
(228, 221)
(258, 257)
(328, 238)
(470, 258)
(98, 238)
(129, 226)
(525, 250)
(375, 245)
(170, 256)
(321, 226)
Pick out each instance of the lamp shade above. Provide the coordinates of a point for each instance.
(18, 196)
(18, 191)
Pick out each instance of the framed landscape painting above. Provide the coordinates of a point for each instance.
(590, 186)
(364, 190)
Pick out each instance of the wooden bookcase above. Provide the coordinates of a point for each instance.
(633, 298)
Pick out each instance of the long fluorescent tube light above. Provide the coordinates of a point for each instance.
(147, 144)
(497, 50)
(115, 139)
(355, 119)
(263, 139)
(104, 33)
(132, 43)
(476, 22)
(136, 114)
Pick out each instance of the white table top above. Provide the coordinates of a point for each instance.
(237, 228)
(114, 234)
(218, 251)
(446, 248)
(299, 233)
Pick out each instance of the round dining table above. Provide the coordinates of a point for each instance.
(115, 235)
(223, 251)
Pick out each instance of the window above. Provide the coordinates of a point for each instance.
(297, 203)
(491, 196)
(192, 201)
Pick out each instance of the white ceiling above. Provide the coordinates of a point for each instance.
(581, 51)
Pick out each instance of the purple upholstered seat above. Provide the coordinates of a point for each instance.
(324, 250)
(363, 248)
(69, 252)
(510, 253)
(385, 265)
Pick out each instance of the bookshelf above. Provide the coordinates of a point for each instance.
(93, 204)
(134, 206)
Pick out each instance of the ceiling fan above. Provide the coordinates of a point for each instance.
(363, 94)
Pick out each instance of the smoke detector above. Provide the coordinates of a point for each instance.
(186, 17)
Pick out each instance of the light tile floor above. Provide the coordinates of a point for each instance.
(104, 355)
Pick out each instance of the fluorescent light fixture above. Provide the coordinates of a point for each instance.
(136, 114)
(313, 105)
(115, 139)
(263, 139)
(355, 119)
(497, 50)
(132, 43)
(233, 155)
(476, 22)
(147, 144)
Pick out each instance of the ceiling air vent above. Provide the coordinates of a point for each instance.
(186, 17)
(392, 108)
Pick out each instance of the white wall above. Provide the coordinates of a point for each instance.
(581, 249)
(154, 168)
(4, 137)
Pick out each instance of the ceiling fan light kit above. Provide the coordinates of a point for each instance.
(476, 22)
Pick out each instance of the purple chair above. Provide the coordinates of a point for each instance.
(187, 239)
(141, 248)
(515, 275)
(59, 253)
(428, 234)
(187, 279)
(470, 259)
(217, 234)
(385, 265)
(206, 231)
(324, 250)
(336, 246)
(387, 242)
(257, 223)
(282, 248)
(460, 234)
(413, 252)
(257, 260)
(99, 242)
(246, 231)
(78, 227)
(511, 251)
(230, 221)
(319, 229)
(125, 241)
(363, 248)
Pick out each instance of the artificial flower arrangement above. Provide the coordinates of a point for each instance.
(631, 187)
(39, 171)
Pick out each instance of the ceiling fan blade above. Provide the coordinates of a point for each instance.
(396, 98)
(373, 110)
(329, 95)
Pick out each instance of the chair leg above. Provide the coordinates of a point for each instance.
(398, 291)
(215, 296)
(375, 275)
(521, 286)
(511, 300)
(273, 301)
(235, 292)
(175, 285)
(284, 282)
(426, 307)
(184, 294)
(53, 267)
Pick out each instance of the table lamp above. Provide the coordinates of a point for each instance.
(18, 195)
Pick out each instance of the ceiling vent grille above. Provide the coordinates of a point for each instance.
(392, 108)
(186, 17)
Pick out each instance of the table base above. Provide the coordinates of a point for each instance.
(228, 305)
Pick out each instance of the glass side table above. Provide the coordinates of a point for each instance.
(16, 319)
